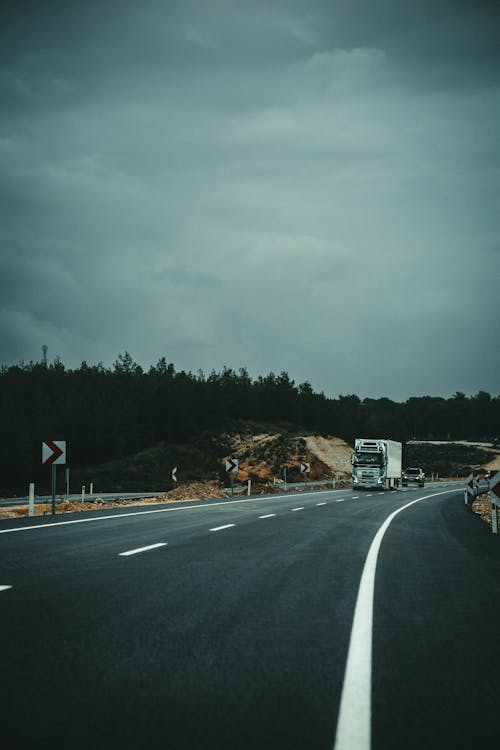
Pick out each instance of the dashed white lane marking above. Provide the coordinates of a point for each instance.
(41, 526)
(340, 500)
(354, 722)
(141, 549)
(320, 503)
(294, 509)
(355, 497)
(269, 515)
(4, 588)
(227, 526)
(369, 496)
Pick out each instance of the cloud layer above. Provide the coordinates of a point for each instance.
(310, 187)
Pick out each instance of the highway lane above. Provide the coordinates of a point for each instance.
(436, 626)
(206, 642)
(231, 637)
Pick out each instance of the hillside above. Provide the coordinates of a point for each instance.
(263, 451)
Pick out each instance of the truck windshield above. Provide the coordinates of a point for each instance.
(368, 459)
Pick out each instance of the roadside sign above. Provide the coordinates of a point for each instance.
(495, 485)
(305, 468)
(54, 452)
(174, 474)
(232, 465)
(469, 486)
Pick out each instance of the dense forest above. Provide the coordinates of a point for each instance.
(108, 413)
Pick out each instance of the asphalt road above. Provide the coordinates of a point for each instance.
(228, 625)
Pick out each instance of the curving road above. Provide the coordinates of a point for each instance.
(229, 624)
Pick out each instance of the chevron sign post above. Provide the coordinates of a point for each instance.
(494, 483)
(305, 469)
(232, 470)
(469, 489)
(53, 453)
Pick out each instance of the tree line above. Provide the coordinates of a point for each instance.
(108, 413)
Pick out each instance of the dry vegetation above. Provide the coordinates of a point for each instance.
(262, 455)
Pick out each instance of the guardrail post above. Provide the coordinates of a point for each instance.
(83, 492)
(494, 517)
(31, 505)
(249, 487)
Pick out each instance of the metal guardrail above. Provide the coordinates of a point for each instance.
(239, 490)
(284, 486)
(495, 503)
(306, 485)
(474, 488)
(479, 488)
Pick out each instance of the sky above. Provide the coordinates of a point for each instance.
(299, 185)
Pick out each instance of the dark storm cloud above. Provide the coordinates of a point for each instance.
(300, 186)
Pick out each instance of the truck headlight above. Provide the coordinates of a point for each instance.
(354, 479)
(380, 480)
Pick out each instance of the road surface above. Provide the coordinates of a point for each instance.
(229, 624)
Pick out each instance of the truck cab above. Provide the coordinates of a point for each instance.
(376, 464)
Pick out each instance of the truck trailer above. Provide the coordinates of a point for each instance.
(376, 464)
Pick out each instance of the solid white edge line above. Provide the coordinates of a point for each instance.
(227, 526)
(158, 510)
(269, 515)
(354, 721)
(142, 549)
(149, 512)
(5, 588)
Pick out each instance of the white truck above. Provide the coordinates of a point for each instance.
(376, 464)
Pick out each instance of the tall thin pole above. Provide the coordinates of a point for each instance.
(54, 468)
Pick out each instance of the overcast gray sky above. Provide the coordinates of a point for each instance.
(297, 185)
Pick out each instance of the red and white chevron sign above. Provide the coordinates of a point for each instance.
(54, 452)
(232, 465)
(305, 468)
(495, 484)
(174, 474)
(469, 486)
